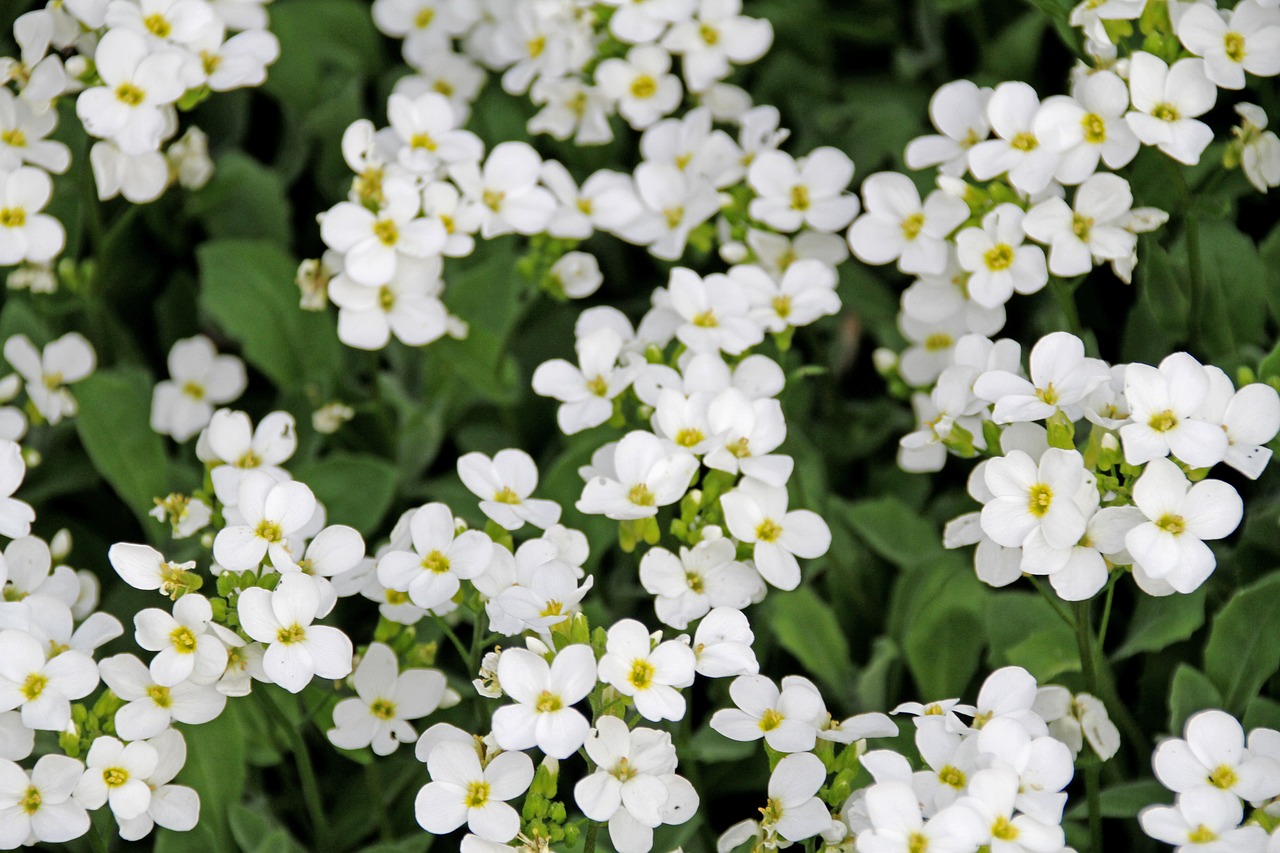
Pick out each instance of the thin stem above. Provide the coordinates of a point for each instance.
(306, 772)
(593, 830)
(92, 213)
(1089, 666)
(1106, 613)
(1195, 269)
(1053, 602)
(453, 638)
(1065, 296)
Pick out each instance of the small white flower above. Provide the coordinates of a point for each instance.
(689, 586)
(232, 447)
(545, 694)
(958, 111)
(462, 791)
(641, 84)
(38, 806)
(115, 775)
(649, 675)
(505, 192)
(296, 651)
(787, 719)
(793, 809)
(187, 649)
(1088, 128)
(1163, 403)
(718, 36)
(42, 686)
(15, 515)
(1061, 378)
(371, 242)
(68, 359)
(1203, 819)
(138, 83)
(897, 226)
(431, 573)
(810, 191)
(1017, 150)
(756, 514)
(503, 485)
(150, 707)
(201, 379)
(1030, 498)
(1167, 100)
(174, 807)
(386, 700)
(722, 645)
(272, 512)
(1091, 230)
(586, 391)
(715, 313)
(651, 473)
(1247, 40)
(998, 260)
(1169, 546)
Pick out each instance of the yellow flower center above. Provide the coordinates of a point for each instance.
(435, 562)
(1163, 421)
(917, 843)
(157, 25)
(493, 199)
(641, 496)
(644, 87)
(912, 226)
(383, 709)
(800, 197)
(386, 298)
(1041, 497)
(674, 216)
(1166, 112)
(160, 695)
(768, 530)
(13, 217)
(641, 676)
(694, 581)
(689, 436)
(30, 801)
(536, 46)
(710, 35)
(34, 686)
(194, 390)
(1223, 777)
(14, 137)
(386, 231)
(548, 703)
(1176, 525)
(127, 93)
(1048, 395)
(770, 720)
(1081, 226)
(424, 18)
(1004, 829)
(1234, 43)
(706, 320)
(115, 776)
(506, 495)
(937, 342)
(269, 530)
(424, 141)
(1201, 835)
(295, 633)
(952, 776)
(395, 596)
(249, 460)
(598, 386)
(1024, 142)
(782, 306)
(183, 640)
(999, 257)
(1095, 129)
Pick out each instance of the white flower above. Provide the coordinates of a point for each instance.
(649, 675)
(1250, 417)
(371, 242)
(1092, 230)
(440, 559)
(1061, 378)
(571, 109)
(297, 651)
(722, 645)
(174, 807)
(793, 809)
(1248, 40)
(1018, 151)
(1260, 148)
(1214, 755)
(577, 274)
(700, 579)
(272, 512)
(26, 234)
(1079, 571)
(810, 191)
(187, 649)
(1166, 102)
(1030, 498)
(38, 807)
(632, 784)
(407, 305)
(718, 35)
(506, 192)
(138, 84)
(898, 227)
(545, 694)
(638, 21)
(1169, 547)
(143, 567)
(15, 515)
(586, 391)
(744, 434)
(162, 21)
(201, 378)
(115, 775)
(959, 112)
(1163, 403)
(150, 707)
(641, 84)
(386, 699)
(503, 485)
(68, 359)
(462, 791)
(991, 796)
(998, 260)
(756, 514)
(232, 447)
(1088, 127)
(651, 473)
(787, 719)
(428, 130)
(41, 686)
(676, 202)
(425, 25)
(715, 313)
(22, 136)
(801, 295)
(1203, 819)
(238, 62)
(1073, 720)
(897, 825)
(140, 178)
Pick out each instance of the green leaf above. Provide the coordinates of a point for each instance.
(199, 840)
(244, 199)
(248, 287)
(895, 531)
(944, 648)
(216, 767)
(1190, 691)
(1242, 653)
(1160, 622)
(418, 843)
(356, 489)
(1045, 655)
(1125, 800)
(806, 626)
(114, 425)
(321, 40)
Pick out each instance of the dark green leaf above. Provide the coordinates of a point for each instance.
(1191, 691)
(355, 489)
(1242, 654)
(1159, 622)
(806, 626)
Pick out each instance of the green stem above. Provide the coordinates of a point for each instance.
(306, 772)
(1053, 601)
(1065, 296)
(92, 213)
(453, 638)
(1195, 269)
(1085, 641)
(593, 830)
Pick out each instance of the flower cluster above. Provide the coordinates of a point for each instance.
(1215, 772)
(131, 66)
(581, 62)
(1131, 492)
(992, 774)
